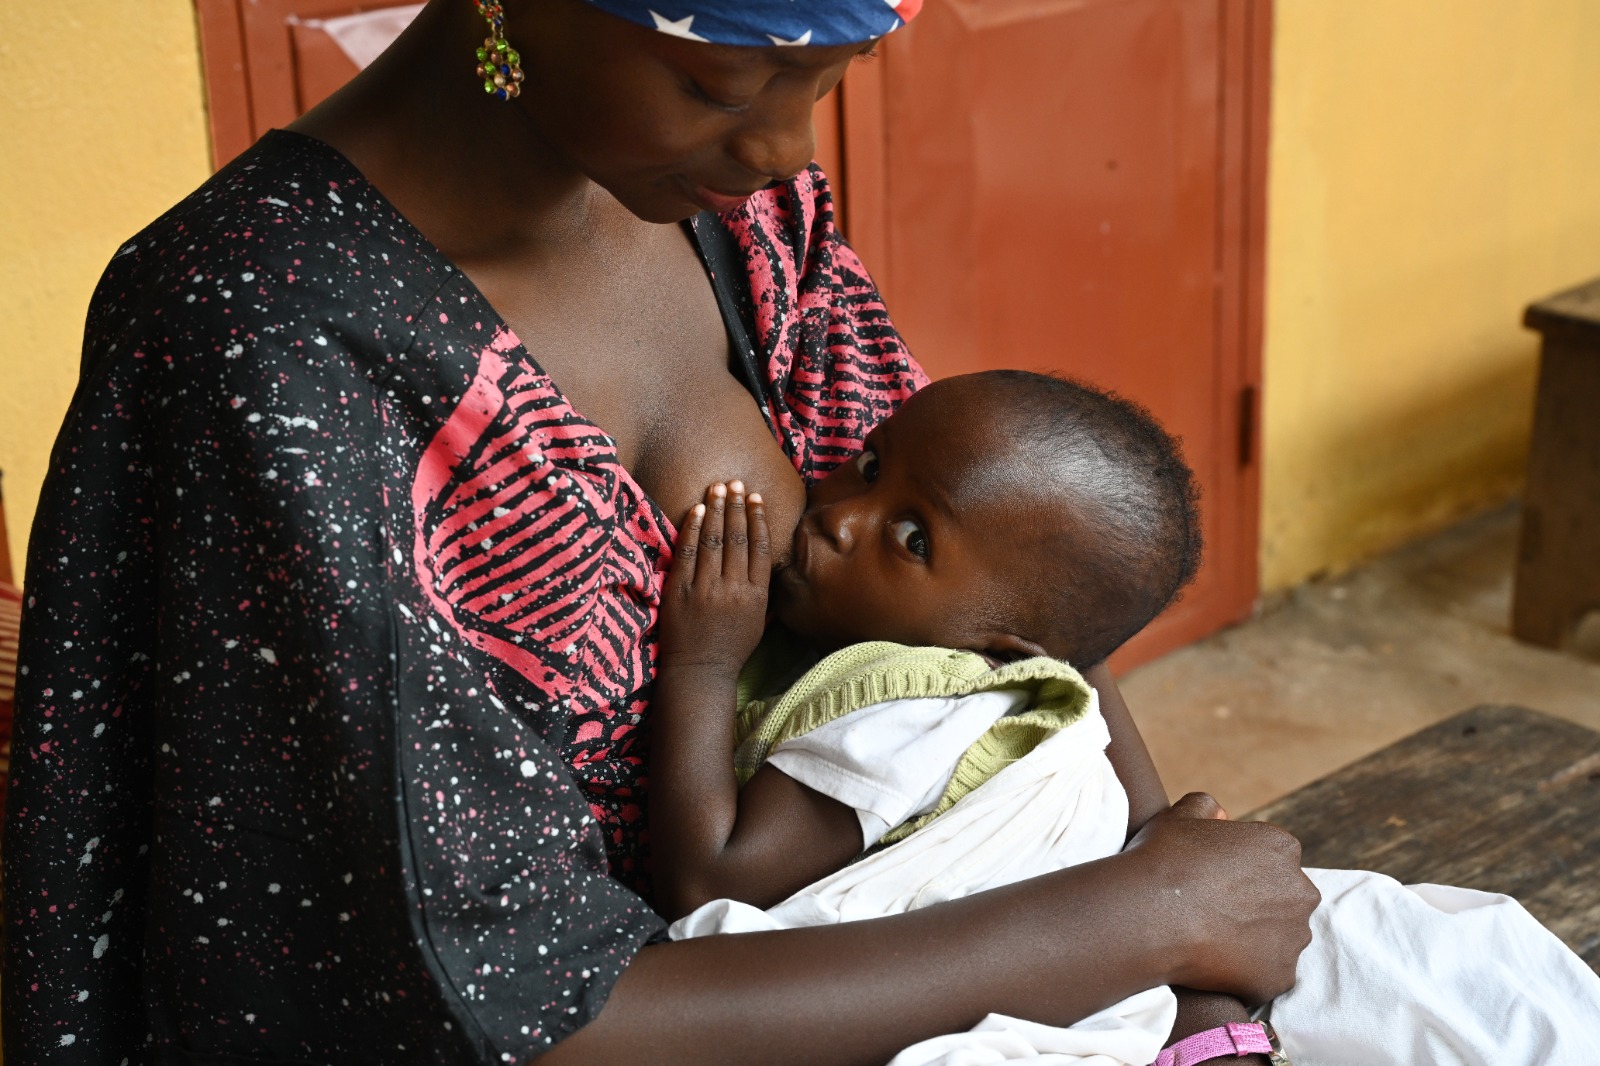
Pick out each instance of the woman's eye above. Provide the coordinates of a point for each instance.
(705, 96)
(911, 537)
(867, 466)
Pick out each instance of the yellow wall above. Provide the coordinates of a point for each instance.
(1435, 165)
(102, 127)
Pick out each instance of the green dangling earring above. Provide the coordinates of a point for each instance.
(499, 65)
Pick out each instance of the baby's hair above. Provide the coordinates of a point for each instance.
(1125, 477)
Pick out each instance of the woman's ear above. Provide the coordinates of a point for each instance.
(1008, 647)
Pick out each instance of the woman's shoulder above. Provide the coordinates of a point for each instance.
(288, 194)
(289, 237)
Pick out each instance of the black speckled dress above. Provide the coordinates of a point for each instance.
(339, 634)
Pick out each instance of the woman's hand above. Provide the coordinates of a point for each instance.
(715, 603)
(1241, 902)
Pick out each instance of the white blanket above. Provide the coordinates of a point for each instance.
(1395, 976)
(1060, 806)
(1429, 975)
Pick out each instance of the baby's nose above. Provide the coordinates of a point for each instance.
(837, 522)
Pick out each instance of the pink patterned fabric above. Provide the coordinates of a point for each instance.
(519, 542)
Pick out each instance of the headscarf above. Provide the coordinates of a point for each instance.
(767, 22)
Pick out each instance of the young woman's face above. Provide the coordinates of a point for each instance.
(668, 126)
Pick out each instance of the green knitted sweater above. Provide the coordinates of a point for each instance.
(774, 706)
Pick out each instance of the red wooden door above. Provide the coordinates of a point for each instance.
(1076, 185)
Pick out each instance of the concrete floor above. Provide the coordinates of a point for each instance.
(1339, 668)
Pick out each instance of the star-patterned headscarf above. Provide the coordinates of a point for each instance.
(768, 22)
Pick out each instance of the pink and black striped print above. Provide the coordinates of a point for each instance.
(540, 550)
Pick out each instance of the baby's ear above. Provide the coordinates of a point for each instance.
(1008, 647)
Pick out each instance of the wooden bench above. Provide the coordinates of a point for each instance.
(1502, 799)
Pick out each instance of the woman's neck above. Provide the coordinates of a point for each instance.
(474, 174)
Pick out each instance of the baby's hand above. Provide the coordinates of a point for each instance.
(715, 603)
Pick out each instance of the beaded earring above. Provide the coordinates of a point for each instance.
(499, 65)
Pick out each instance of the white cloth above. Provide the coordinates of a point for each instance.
(1428, 975)
(892, 761)
(1117, 1036)
(1395, 976)
(1059, 806)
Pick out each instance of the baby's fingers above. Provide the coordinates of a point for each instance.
(712, 532)
(760, 543)
(735, 562)
(688, 551)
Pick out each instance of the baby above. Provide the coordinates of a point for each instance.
(1009, 514)
(997, 527)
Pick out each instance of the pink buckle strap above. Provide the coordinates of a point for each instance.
(1234, 1039)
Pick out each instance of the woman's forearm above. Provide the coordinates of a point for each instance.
(860, 992)
(1193, 901)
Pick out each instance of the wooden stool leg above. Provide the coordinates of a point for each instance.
(1558, 565)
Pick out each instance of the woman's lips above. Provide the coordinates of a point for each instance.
(718, 202)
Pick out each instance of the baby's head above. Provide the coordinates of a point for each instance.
(1006, 512)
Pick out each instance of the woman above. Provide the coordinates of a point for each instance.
(341, 631)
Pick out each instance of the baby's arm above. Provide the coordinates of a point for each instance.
(709, 839)
(1147, 797)
(1136, 771)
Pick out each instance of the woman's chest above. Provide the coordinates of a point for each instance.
(711, 429)
(683, 422)
(640, 350)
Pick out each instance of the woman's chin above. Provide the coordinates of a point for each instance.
(662, 203)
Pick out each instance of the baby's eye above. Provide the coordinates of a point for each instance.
(867, 466)
(911, 536)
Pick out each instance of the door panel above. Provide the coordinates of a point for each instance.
(1061, 187)
(267, 61)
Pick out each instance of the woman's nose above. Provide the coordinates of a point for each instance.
(779, 141)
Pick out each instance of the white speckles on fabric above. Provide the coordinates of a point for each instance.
(328, 744)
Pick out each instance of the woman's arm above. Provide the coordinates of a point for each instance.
(712, 840)
(1193, 900)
